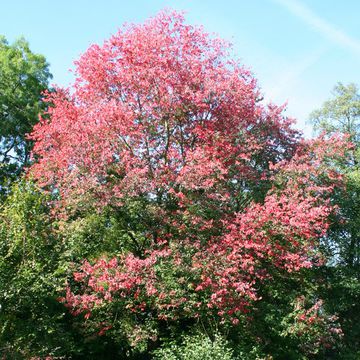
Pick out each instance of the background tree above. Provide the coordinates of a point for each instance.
(341, 114)
(23, 77)
(37, 256)
(29, 260)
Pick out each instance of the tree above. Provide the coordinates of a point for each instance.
(23, 77)
(29, 274)
(217, 202)
(36, 258)
(341, 114)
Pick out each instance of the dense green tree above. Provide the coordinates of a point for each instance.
(341, 276)
(37, 253)
(24, 75)
(29, 275)
(342, 114)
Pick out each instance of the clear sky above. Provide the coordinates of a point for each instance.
(297, 49)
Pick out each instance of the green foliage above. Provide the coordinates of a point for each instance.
(23, 77)
(27, 273)
(33, 270)
(196, 347)
(341, 289)
(341, 275)
(341, 113)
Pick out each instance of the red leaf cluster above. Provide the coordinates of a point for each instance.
(162, 112)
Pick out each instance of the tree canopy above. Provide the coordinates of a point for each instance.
(170, 213)
(215, 195)
(23, 77)
(341, 114)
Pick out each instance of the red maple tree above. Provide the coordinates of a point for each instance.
(161, 112)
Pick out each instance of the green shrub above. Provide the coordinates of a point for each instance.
(196, 347)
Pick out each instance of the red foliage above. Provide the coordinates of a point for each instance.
(161, 111)
(278, 235)
(159, 105)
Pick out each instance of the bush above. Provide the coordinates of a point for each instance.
(196, 347)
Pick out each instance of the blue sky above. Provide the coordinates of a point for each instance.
(297, 49)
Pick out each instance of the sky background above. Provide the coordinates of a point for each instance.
(297, 49)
